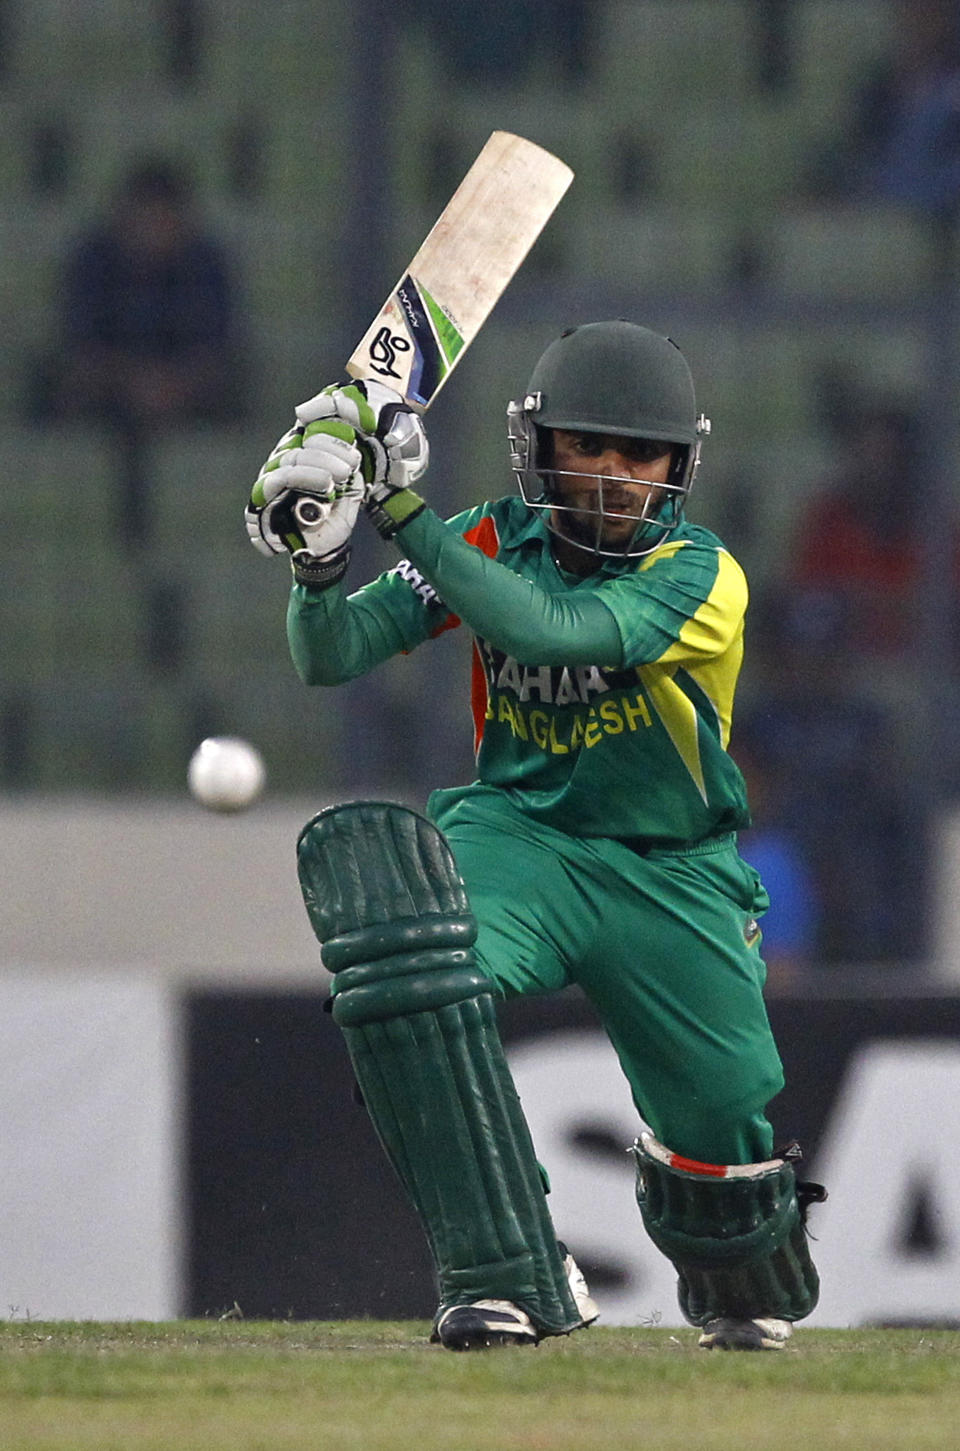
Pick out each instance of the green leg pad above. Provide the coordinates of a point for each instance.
(418, 1017)
(734, 1234)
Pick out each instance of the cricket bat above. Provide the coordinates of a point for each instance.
(463, 267)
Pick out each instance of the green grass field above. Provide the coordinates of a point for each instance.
(255, 1386)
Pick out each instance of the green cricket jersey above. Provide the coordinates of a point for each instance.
(601, 705)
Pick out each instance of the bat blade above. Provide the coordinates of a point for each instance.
(463, 267)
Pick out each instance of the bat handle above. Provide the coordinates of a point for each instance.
(308, 510)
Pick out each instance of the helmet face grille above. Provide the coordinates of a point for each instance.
(586, 527)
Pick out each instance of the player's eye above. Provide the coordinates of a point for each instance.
(643, 450)
(590, 445)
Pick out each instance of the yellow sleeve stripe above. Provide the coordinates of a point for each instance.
(717, 621)
(679, 716)
(709, 650)
(662, 551)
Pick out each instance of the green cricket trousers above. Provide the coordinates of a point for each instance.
(664, 944)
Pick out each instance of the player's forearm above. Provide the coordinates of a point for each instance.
(514, 615)
(333, 639)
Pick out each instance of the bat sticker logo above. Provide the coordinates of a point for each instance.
(383, 352)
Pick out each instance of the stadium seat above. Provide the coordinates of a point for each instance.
(113, 731)
(234, 614)
(15, 120)
(860, 253)
(877, 352)
(836, 43)
(80, 616)
(33, 238)
(56, 51)
(653, 248)
(200, 479)
(656, 55)
(117, 128)
(65, 485)
(295, 49)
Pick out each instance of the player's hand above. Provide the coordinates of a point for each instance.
(306, 500)
(391, 437)
(326, 527)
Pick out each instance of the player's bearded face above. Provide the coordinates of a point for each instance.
(606, 484)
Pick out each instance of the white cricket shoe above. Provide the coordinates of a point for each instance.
(579, 1289)
(726, 1333)
(483, 1324)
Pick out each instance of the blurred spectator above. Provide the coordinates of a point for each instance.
(147, 326)
(495, 43)
(860, 537)
(901, 139)
(791, 927)
(844, 790)
(147, 309)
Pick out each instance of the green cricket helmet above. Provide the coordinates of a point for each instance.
(614, 378)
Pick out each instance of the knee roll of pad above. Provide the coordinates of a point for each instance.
(734, 1233)
(387, 904)
(386, 901)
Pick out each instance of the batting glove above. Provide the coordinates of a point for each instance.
(306, 500)
(393, 442)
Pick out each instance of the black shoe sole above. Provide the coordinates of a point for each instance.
(486, 1340)
(470, 1330)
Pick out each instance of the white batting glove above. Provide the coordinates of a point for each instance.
(326, 527)
(306, 500)
(391, 436)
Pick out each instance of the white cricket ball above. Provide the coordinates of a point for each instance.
(226, 773)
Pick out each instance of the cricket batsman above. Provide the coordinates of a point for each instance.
(597, 845)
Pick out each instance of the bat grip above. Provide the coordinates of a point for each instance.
(308, 510)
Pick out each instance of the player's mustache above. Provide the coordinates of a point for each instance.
(603, 491)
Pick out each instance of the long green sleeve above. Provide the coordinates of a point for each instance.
(334, 637)
(514, 614)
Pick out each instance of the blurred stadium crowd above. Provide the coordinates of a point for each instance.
(774, 183)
